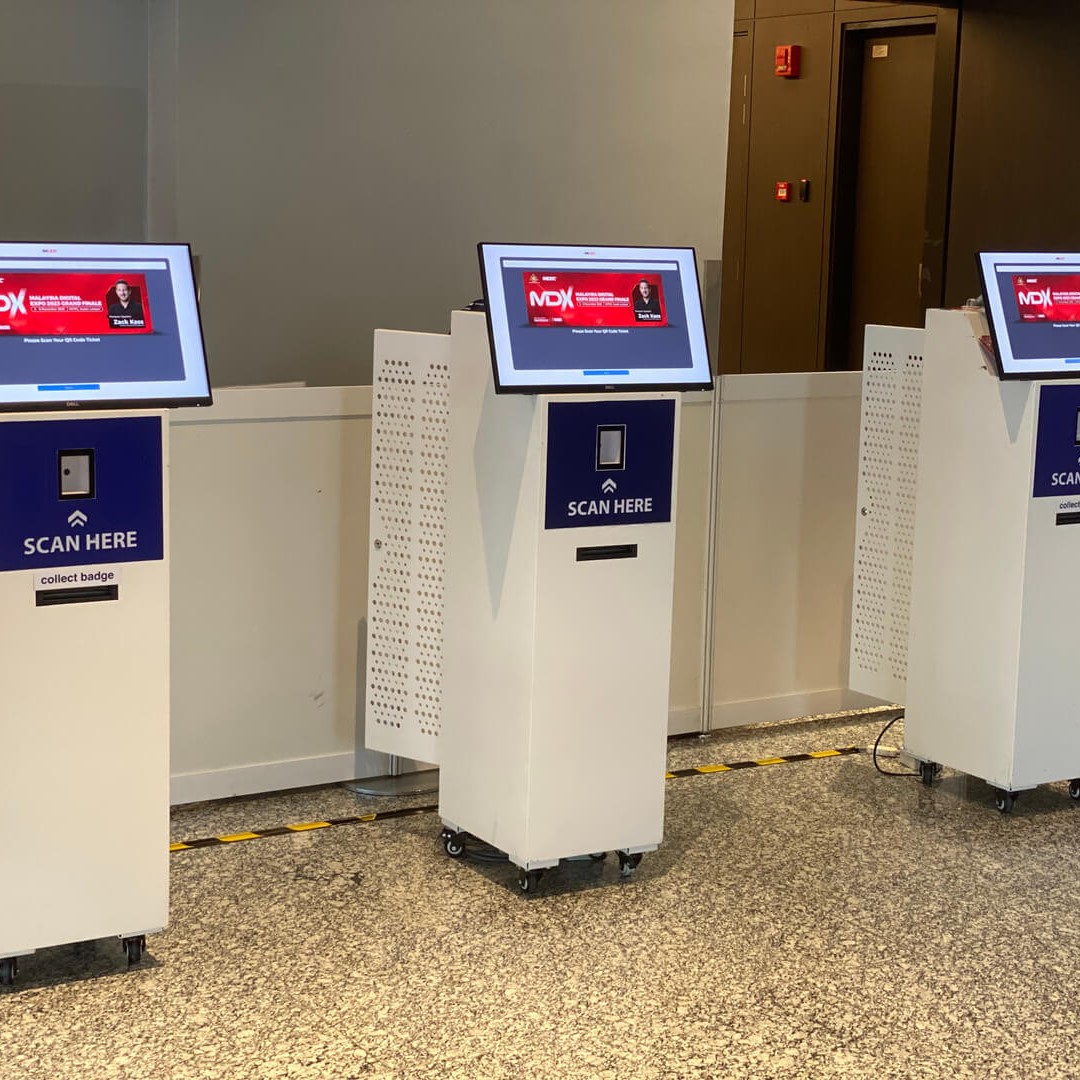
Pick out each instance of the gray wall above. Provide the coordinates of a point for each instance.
(335, 162)
(73, 100)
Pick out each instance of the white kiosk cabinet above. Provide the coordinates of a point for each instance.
(95, 340)
(558, 601)
(993, 682)
(84, 681)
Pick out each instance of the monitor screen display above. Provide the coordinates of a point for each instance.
(1033, 307)
(99, 326)
(604, 319)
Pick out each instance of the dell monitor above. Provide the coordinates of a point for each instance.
(1033, 307)
(99, 326)
(566, 319)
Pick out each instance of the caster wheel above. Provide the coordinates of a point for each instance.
(927, 771)
(1005, 801)
(453, 843)
(9, 968)
(528, 880)
(134, 947)
(628, 863)
(1074, 789)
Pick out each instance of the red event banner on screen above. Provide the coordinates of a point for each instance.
(1048, 297)
(593, 298)
(65, 304)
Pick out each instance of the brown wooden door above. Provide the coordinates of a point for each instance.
(881, 206)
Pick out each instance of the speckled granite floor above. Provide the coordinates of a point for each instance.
(802, 920)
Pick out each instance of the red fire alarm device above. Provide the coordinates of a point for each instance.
(788, 59)
(783, 191)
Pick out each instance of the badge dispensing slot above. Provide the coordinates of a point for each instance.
(79, 594)
(606, 551)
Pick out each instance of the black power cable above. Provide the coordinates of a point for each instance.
(877, 743)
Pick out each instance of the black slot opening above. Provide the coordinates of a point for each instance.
(1072, 517)
(85, 594)
(607, 551)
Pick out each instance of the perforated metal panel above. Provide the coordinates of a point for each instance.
(410, 416)
(885, 528)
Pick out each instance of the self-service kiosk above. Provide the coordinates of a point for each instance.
(84, 586)
(560, 540)
(993, 683)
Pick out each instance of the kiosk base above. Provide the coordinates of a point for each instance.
(456, 842)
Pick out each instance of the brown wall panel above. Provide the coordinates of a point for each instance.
(731, 288)
(769, 8)
(784, 241)
(777, 256)
(873, 10)
(1015, 156)
(894, 8)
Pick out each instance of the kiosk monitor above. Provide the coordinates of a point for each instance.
(594, 319)
(99, 326)
(1033, 307)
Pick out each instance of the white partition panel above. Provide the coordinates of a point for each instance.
(885, 521)
(410, 414)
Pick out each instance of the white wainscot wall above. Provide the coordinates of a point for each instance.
(789, 455)
(269, 589)
(269, 563)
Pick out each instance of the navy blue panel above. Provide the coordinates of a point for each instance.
(579, 495)
(1057, 455)
(123, 520)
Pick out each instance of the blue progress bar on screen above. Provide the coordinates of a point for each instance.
(611, 372)
(71, 386)
(1073, 360)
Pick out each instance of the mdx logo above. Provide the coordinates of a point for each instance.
(1034, 296)
(13, 303)
(558, 298)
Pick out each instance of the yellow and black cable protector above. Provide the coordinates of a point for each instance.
(409, 811)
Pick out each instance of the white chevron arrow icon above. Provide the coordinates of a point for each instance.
(608, 486)
(77, 518)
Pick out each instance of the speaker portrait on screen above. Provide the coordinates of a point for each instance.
(646, 297)
(125, 306)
